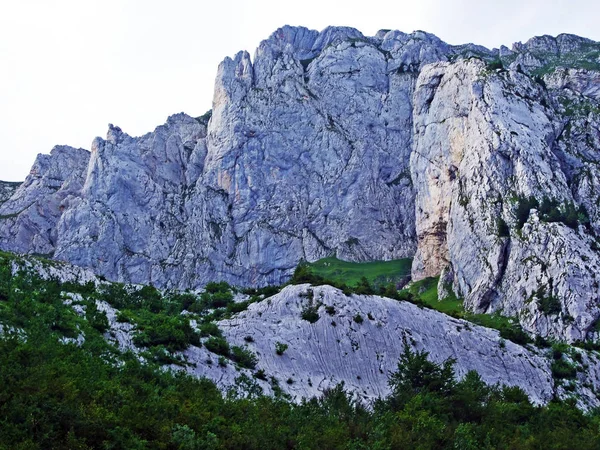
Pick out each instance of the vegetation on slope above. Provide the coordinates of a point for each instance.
(63, 386)
(377, 273)
(423, 293)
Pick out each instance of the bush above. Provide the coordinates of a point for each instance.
(310, 313)
(280, 348)
(243, 357)
(415, 374)
(495, 64)
(515, 334)
(238, 307)
(175, 333)
(217, 299)
(210, 329)
(214, 287)
(561, 369)
(303, 274)
(260, 374)
(217, 345)
(503, 230)
(364, 287)
(96, 318)
(524, 207)
(358, 318)
(549, 305)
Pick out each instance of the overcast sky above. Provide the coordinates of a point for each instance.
(70, 67)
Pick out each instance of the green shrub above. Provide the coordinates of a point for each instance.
(524, 207)
(237, 307)
(123, 317)
(503, 230)
(260, 374)
(243, 357)
(175, 333)
(310, 313)
(214, 287)
(96, 318)
(561, 369)
(364, 287)
(551, 210)
(217, 345)
(549, 305)
(280, 348)
(210, 329)
(330, 310)
(358, 318)
(217, 299)
(494, 65)
(514, 333)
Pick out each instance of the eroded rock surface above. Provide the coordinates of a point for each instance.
(7, 190)
(336, 348)
(486, 142)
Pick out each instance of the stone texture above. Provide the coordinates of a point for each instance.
(28, 219)
(7, 190)
(483, 141)
(321, 355)
(336, 348)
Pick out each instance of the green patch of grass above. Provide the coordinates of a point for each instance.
(378, 273)
(425, 291)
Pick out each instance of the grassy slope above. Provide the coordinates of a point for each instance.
(377, 272)
(426, 291)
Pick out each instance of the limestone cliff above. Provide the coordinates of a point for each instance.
(481, 163)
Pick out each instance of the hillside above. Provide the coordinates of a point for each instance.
(93, 364)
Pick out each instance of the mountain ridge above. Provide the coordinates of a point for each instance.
(335, 144)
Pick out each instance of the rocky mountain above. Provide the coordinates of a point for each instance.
(351, 339)
(483, 164)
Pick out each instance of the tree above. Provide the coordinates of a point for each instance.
(416, 374)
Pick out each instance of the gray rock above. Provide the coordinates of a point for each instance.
(28, 219)
(485, 141)
(7, 190)
(321, 354)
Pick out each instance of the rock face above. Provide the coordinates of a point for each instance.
(7, 190)
(356, 340)
(481, 163)
(485, 142)
(28, 219)
(337, 349)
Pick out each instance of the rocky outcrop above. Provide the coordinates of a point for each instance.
(306, 155)
(483, 162)
(337, 348)
(28, 219)
(543, 54)
(7, 190)
(485, 142)
(355, 340)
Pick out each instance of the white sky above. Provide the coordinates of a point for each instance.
(70, 67)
